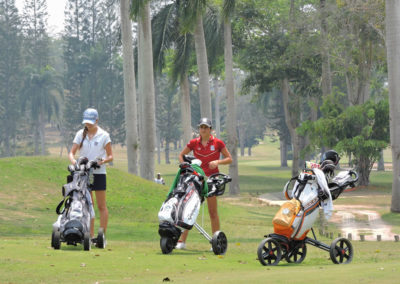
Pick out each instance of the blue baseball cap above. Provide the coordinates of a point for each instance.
(90, 115)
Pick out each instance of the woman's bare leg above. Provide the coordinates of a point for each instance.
(101, 204)
(213, 212)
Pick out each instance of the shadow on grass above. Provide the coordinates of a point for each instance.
(65, 247)
(187, 252)
(255, 184)
(261, 215)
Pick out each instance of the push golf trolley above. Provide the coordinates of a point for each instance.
(76, 209)
(295, 219)
(181, 208)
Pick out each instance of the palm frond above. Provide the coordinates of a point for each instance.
(228, 9)
(189, 11)
(165, 30)
(213, 31)
(183, 50)
(137, 7)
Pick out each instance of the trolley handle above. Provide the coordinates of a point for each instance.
(355, 174)
(215, 179)
(217, 183)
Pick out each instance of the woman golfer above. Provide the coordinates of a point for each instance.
(94, 143)
(207, 149)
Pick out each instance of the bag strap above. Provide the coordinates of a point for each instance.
(66, 202)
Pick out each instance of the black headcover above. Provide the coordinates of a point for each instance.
(328, 167)
(331, 155)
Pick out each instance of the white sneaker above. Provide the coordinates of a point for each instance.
(180, 245)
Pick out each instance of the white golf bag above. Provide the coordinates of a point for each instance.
(182, 207)
(296, 217)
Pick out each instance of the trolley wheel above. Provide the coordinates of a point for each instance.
(101, 239)
(297, 254)
(56, 240)
(167, 245)
(87, 241)
(52, 237)
(341, 251)
(269, 252)
(219, 243)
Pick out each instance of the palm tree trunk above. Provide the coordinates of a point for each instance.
(146, 89)
(42, 134)
(185, 109)
(158, 147)
(241, 139)
(393, 61)
(381, 163)
(217, 104)
(202, 65)
(231, 109)
(131, 122)
(36, 137)
(7, 146)
(167, 142)
(326, 84)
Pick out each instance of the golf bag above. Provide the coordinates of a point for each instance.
(182, 205)
(296, 216)
(76, 209)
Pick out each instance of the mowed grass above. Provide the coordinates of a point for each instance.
(30, 189)
(30, 260)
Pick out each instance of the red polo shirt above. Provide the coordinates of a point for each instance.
(208, 153)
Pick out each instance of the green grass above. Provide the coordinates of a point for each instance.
(31, 260)
(30, 189)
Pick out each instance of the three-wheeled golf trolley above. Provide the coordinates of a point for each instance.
(295, 219)
(181, 208)
(76, 209)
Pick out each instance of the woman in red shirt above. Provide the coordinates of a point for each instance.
(207, 149)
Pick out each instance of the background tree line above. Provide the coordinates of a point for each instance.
(302, 67)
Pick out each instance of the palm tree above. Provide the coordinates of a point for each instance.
(141, 9)
(167, 34)
(393, 61)
(232, 141)
(42, 92)
(180, 71)
(129, 88)
(193, 11)
(172, 28)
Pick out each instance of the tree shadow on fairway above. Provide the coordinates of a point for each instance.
(189, 252)
(261, 215)
(257, 185)
(65, 247)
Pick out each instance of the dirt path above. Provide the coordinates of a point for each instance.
(355, 219)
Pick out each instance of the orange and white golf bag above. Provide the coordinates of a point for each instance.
(296, 216)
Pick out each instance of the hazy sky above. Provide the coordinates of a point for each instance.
(55, 9)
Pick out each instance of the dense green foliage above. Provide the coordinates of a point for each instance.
(10, 76)
(93, 75)
(361, 130)
(305, 48)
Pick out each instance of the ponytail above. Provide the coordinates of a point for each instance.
(85, 131)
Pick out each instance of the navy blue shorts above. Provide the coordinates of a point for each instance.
(99, 182)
